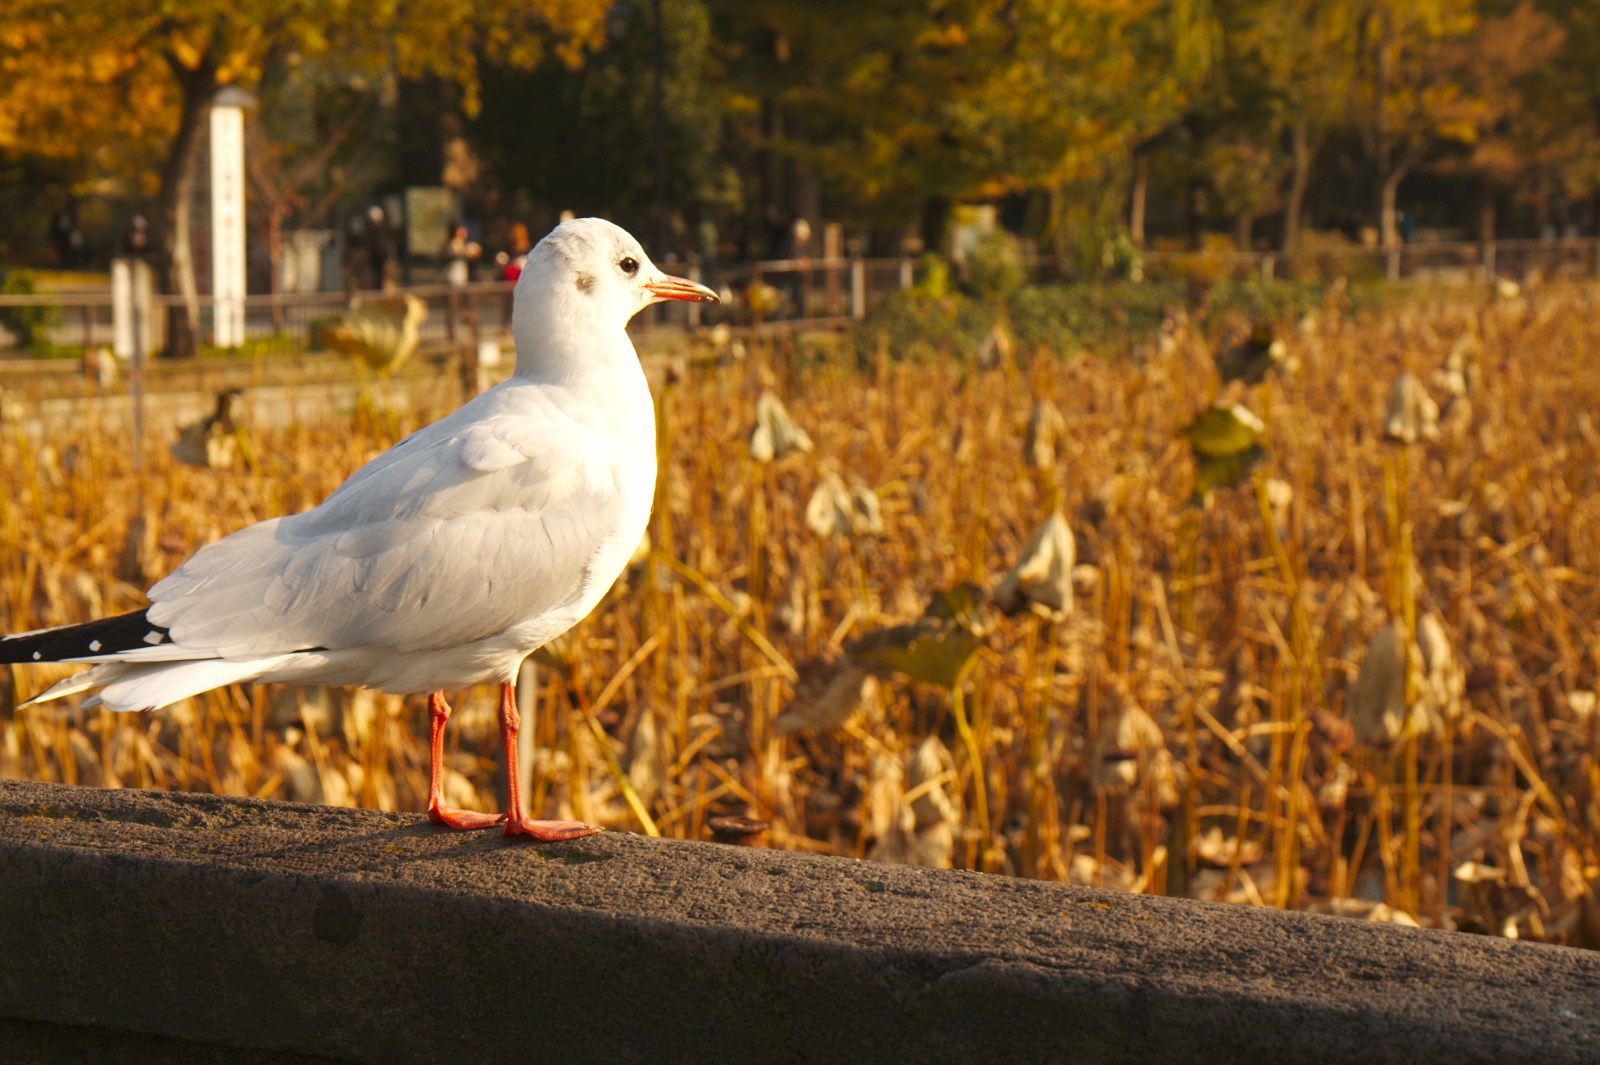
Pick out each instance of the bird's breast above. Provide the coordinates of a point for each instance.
(629, 417)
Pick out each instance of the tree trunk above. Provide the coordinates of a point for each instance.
(774, 191)
(1393, 169)
(1385, 173)
(1389, 189)
(1542, 205)
(1299, 178)
(275, 216)
(935, 223)
(1195, 207)
(174, 255)
(1137, 198)
(805, 182)
(1243, 231)
(1485, 211)
(1054, 228)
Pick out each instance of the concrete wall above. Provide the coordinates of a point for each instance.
(182, 928)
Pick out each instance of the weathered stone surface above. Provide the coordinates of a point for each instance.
(214, 929)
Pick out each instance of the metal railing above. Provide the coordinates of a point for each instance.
(801, 292)
(779, 293)
(292, 320)
(1441, 262)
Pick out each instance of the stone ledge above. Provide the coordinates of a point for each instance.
(198, 928)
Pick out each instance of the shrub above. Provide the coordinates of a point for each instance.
(31, 324)
(1108, 318)
(1089, 315)
(913, 325)
(997, 270)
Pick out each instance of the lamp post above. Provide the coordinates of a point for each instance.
(227, 215)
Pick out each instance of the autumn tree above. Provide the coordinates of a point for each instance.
(76, 74)
(1524, 120)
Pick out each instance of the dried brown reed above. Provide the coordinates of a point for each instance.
(1187, 727)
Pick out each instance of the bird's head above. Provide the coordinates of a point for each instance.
(591, 269)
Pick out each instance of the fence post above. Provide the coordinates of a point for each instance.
(131, 309)
(858, 288)
(1392, 264)
(1486, 260)
(905, 273)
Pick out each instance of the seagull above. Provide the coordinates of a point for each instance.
(446, 560)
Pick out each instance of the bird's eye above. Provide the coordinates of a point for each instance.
(629, 265)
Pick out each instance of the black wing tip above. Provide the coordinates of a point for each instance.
(105, 636)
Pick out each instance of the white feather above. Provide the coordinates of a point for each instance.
(128, 686)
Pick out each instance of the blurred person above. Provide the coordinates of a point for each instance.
(800, 252)
(459, 252)
(511, 268)
(512, 260)
(67, 237)
(379, 251)
(136, 241)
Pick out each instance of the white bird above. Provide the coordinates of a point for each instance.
(443, 562)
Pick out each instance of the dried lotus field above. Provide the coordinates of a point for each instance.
(999, 618)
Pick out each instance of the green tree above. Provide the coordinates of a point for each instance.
(1564, 103)
(1222, 149)
(905, 108)
(605, 117)
(1289, 64)
(1403, 98)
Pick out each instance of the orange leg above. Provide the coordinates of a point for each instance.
(438, 812)
(517, 824)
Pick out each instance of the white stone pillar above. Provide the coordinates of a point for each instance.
(227, 215)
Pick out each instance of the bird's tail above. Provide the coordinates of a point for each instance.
(86, 641)
(152, 685)
(128, 663)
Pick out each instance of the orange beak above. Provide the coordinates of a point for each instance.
(681, 288)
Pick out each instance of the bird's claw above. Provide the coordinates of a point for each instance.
(547, 831)
(463, 820)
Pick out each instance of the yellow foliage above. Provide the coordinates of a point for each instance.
(77, 75)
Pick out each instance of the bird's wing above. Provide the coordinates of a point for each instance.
(469, 526)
